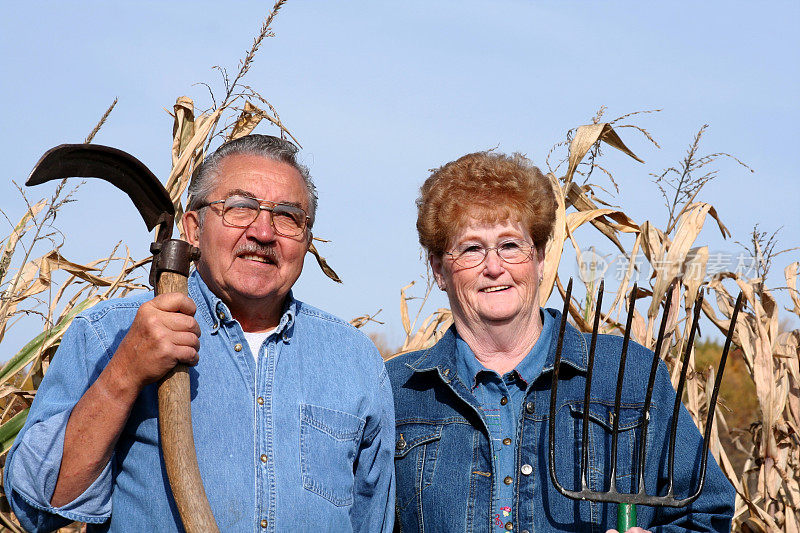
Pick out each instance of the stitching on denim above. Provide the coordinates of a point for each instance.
(630, 418)
(323, 316)
(196, 295)
(309, 483)
(341, 435)
(75, 517)
(470, 507)
(436, 422)
(102, 339)
(411, 444)
(94, 314)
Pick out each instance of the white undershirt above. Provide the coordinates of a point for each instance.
(255, 340)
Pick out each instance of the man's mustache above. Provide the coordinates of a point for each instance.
(257, 248)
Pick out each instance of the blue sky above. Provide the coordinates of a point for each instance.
(380, 92)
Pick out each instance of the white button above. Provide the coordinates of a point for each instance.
(526, 469)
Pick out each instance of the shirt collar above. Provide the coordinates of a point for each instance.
(442, 355)
(468, 366)
(215, 313)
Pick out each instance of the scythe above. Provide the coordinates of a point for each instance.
(169, 273)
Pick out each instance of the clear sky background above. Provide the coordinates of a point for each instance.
(378, 93)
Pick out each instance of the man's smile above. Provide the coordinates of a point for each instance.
(259, 258)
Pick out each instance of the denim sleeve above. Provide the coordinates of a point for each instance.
(713, 510)
(373, 505)
(34, 460)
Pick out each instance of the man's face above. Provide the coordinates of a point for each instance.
(250, 267)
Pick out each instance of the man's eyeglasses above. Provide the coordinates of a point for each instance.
(512, 251)
(241, 211)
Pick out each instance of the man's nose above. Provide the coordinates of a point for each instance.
(261, 229)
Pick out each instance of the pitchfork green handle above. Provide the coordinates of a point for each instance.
(626, 516)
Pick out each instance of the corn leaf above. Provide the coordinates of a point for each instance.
(9, 430)
(16, 235)
(584, 139)
(42, 341)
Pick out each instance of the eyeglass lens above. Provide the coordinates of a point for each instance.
(241, 211)
(513, 251)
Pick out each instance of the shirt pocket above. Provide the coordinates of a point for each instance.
(416, 451)
(328, 447)
(601, 425)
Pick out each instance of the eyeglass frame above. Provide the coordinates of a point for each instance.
(487, 249)
(261, 207)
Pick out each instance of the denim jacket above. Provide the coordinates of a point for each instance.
(443, 455)
(300, 440)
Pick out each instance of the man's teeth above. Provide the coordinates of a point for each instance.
(255, 258)
(495, 289)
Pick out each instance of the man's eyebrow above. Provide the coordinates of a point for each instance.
(248, 194)
(240, 192)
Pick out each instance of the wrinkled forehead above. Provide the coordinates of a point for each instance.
(486, 227)
(261, 178)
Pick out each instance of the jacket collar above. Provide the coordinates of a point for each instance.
(441, 357)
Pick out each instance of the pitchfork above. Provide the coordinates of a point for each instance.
(626, 509)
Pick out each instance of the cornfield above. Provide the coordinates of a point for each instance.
(36, 280)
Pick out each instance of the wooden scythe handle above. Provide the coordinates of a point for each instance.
(177, 439)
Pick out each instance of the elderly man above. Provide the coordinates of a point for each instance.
(292, 408)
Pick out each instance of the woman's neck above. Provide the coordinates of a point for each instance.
(500, 347)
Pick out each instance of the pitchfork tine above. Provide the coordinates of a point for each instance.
(679, 392)
(650, 383)
(713, 403)
(620, 381)
(554, 387)
(627, 501)
(587, 394)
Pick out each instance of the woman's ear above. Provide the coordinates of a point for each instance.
(438, 270)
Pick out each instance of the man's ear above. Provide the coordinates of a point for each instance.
(438, 270)
(191, 227)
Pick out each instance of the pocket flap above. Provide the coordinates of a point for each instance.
(603, 415)
(338, 424)
(414, 434)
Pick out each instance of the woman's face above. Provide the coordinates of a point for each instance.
(494, 292)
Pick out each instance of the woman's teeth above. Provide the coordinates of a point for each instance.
(495, 289)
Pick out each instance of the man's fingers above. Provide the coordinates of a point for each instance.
(180, 322)
(184, 338)
(186, 355)
(174, 302)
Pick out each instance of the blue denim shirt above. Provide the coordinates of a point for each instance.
(502, 400)
(443, 456)
(299, 440)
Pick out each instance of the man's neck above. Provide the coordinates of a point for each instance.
(254, 315)
(259, 316)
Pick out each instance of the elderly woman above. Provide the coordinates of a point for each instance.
(472, 411)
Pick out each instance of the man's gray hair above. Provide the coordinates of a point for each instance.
(204, 180)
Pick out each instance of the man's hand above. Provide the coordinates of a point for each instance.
(164, 333)
(631, 530)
